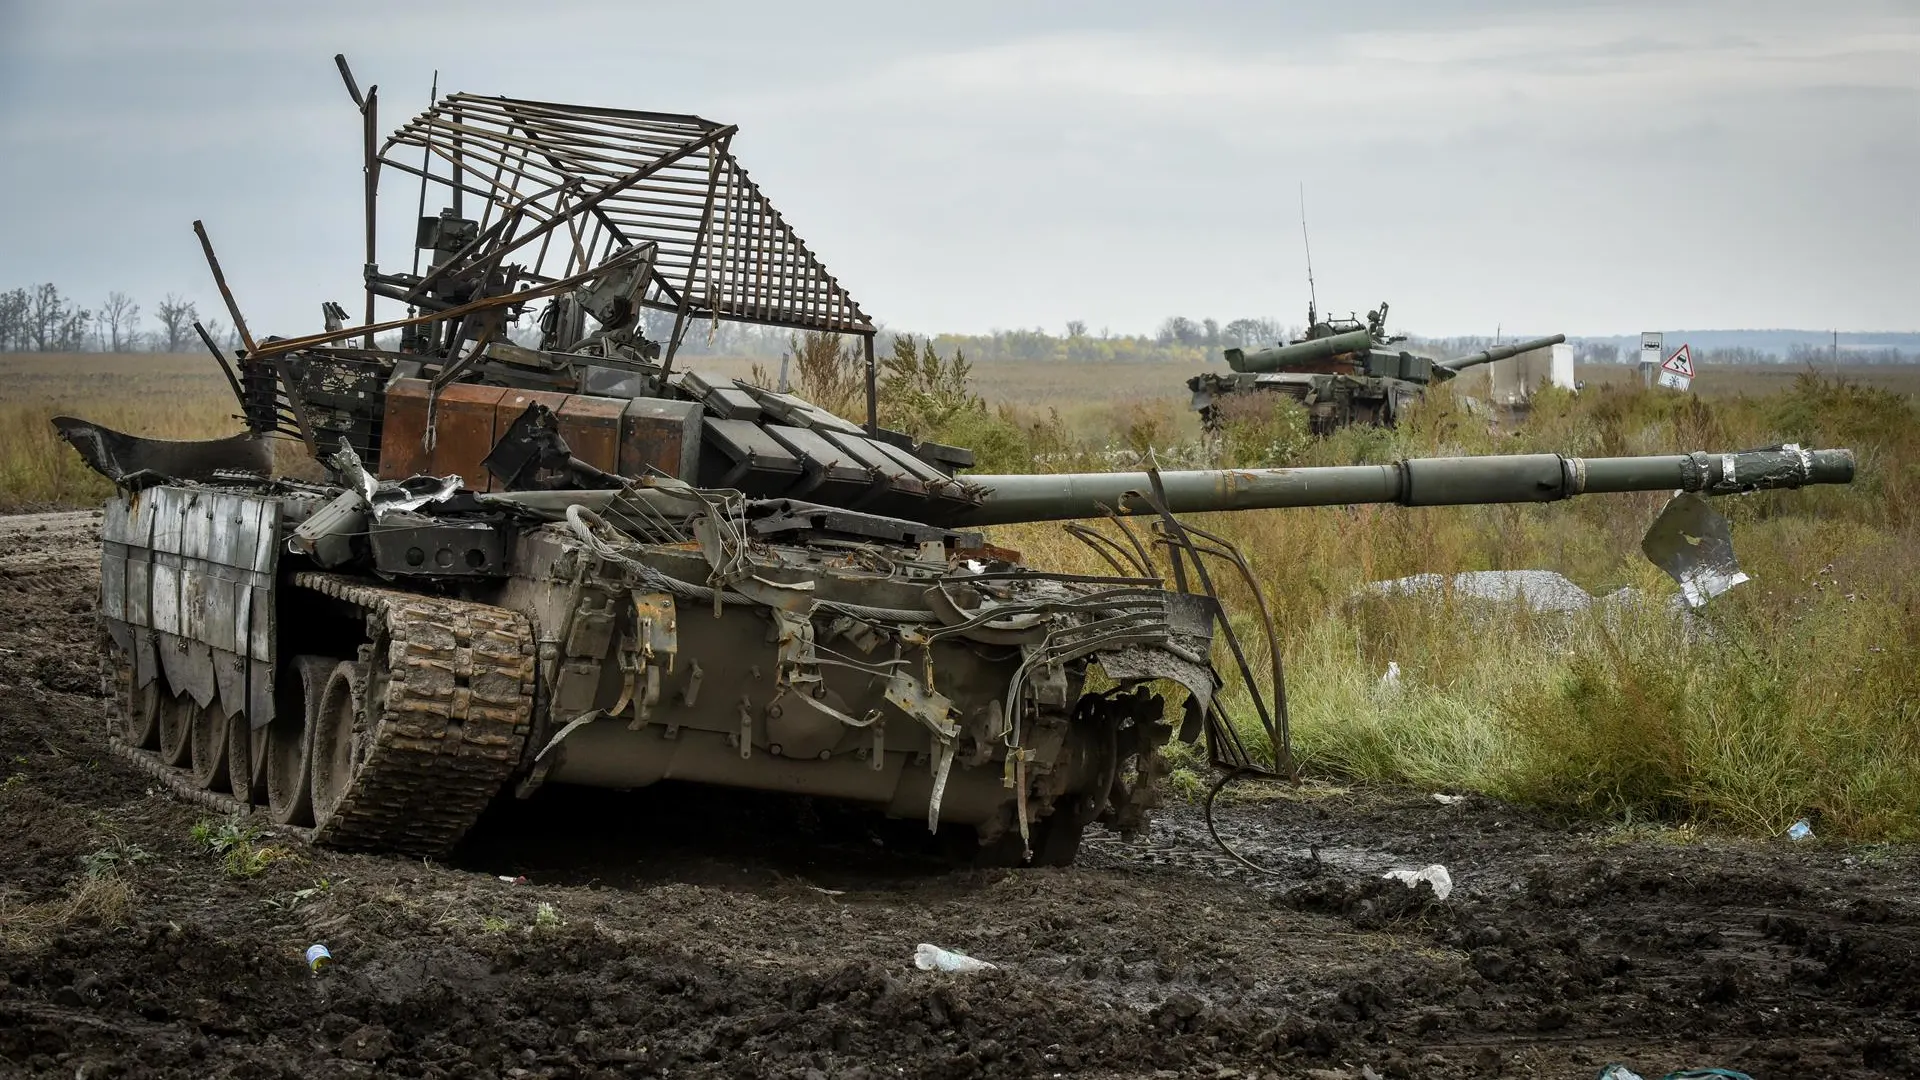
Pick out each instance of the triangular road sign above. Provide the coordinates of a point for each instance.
(1680, 363)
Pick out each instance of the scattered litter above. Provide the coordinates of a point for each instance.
(1625, 1073)
(317, 958)
(933, 957)
(1801, 830)
(828, 892)
(521, 880)
(1435, 875)
(1448, 800)
(1391, 680)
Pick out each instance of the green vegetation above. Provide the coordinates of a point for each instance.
(114, 857)
(238, 845)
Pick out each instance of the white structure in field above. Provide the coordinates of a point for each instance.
(1512, 381)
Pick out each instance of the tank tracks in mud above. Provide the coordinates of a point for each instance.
(442, 705)
(1190, 853)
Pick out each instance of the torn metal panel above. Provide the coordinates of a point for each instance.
(1693, 543)
(132, 461)
(1134, 663)
(327, 536)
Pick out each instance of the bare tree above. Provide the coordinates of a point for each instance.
(1180, 330)
(120, 318)
(1076, 328)
(13, 320)
(1250, 332)
(72, 335)
(47, 317)
(176, 323)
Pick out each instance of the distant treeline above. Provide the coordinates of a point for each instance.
(39, 318)
(1763, 347)
(1179, 339)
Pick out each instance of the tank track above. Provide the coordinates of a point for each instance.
(453, 722)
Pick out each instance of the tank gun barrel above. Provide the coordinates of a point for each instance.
(1498, 352)
(1300, 352)
(1456, 481)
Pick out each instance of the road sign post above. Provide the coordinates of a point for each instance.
(1677, 371)
(1651, 349)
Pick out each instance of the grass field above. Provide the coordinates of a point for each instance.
(1798, 698)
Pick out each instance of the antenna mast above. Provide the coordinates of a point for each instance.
(426, 168)
(1313, 301)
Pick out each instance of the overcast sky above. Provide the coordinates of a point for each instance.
(1580, 167)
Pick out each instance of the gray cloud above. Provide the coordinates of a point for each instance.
(1588, 168)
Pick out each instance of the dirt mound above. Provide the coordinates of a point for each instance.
(678, 933)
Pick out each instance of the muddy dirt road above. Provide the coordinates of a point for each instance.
(758, 937)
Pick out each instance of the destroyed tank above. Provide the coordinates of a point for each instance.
(566, 563)
(1342, 372)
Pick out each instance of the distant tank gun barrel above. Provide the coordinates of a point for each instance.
(1457, 481)
(1300, 352)
(1498, 352)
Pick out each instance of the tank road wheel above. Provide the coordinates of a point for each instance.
(176, 728)
(139, 708)
(290, 741)
(415, 739)
(207, 745)
(338, 749)
(246, 760)
(1055, 839)
(1095, 763)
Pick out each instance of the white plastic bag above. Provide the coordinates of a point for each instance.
(1435, 875)
(934, 958)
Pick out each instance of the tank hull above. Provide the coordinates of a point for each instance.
(386, 715)
(1332, 400)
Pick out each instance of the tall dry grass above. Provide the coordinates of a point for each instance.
(168, 397)
(1795, 694)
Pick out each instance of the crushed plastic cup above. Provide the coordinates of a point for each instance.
(1801, 830)
(317, 958)
(1619, 1072)
(934, 958)
(1435, 875)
